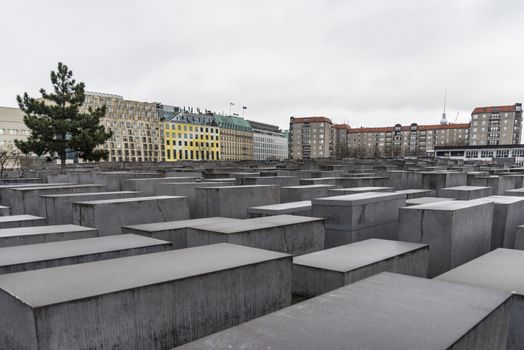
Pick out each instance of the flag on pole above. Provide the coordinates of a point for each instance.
(244, 107)
(231, 104)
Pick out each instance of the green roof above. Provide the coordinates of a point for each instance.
(231, 122)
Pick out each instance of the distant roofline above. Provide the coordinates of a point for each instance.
(408, 127)
(312, 119)
(495, 109)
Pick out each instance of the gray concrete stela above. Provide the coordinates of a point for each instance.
(320, 254)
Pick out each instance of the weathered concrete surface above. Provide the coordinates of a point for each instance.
(362, 181)
(4, 210)
(148, 185)
(11, 221)
(320, 272)
(271, 180)
(380, 312)
(402, 179)
(233, 201)
(289, 234)
(354, 190)
(416, 193)
(150, 301)
(302, 208)
(303, 193)
(498, 184)
(58, 208)
(456, 231)
(519, 238)
(77, 251)
(319, 181)
(114, 180)
(5, 188)
(110, 215)
(507, 216)
(27, 200)
(356, 217)
(10, 237)
(186, 189)
(435, 180)
(175, 231)
(517, 192)
(500, 269)
(426, 200)
(465, 193)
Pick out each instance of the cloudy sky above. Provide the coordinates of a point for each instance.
(367, 63)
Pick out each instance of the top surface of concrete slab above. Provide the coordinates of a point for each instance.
(241, 186)
(64, 195)
(132, 199)
(66, 283)
(385, 311)
(40, 230)
(356, 255)
(412, 190)
(517, 190)
(283, 206)
(363, 189)
(466, 188)
(174, 225)
(448, 205)
(257, 223)
(305, 187)
(500, 199)
(23, 217)
(63, 249)
(39, 185)
(501, 269)
(24, 189)
(157, 179)
(426, 200)
(357, 198)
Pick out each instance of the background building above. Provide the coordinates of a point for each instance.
(135, 127)
(236, 138)
(498, 125)
(340, 140)
(310, 137)
(187, 135)
(269, 142)
(12, 127)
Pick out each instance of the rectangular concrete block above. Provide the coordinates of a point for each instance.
(4, 210)
(426, 200)
(355, 217)
(519, 238)
(303, 193)
(270, 180)
(380, 312)
(148, 185)
(320, 272)
(354, 190)
(175, 231)
(302, 208)
(77, 251)
(150, 301)
(465, 193)
(435, 180)
(416, 193)
(11, 221)
(362, 181)
(233, 201)
(289, 234)
(10, 237)
(500, 269)
(58, 208)
(402, 179)
(456, 231)
(4, 189)
(109, 215)
(114, 180)
(319, 181)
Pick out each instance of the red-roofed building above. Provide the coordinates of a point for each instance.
(496, 125)
(310, 137)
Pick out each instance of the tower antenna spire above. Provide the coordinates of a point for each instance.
(444, 121)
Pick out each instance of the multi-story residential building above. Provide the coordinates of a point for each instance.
(135, 127)
(269, 142)
(187, 135)
(12, 127)
(310, 137)
(340, 140)
(236, 138)
(498, 125)
(399, 141)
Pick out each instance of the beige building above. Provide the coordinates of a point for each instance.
(405, 141)
(236, 138)
(12, 127)
(135, 126)
(310, 137)
(340, 141)
(497, 125)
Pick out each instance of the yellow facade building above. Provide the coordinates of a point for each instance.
(187, 141)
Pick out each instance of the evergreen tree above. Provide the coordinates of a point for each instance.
(56, 124)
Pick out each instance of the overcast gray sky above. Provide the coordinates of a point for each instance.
(368, 63)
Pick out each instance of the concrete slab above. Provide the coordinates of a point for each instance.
(320, 272)
(435, 180)
(154, 300)
(465, 193)
(380, 312)
(426, 200)
(354, 190)
(148, 185)
(301, 193)
(175, 231)
(416, 193)
(110, 215)
(10, 221)
(270, 180)
(114, 180)
(517, 192)
(77, 251)
(5, 188)
(58, 208)
(500, 269)
(402, 179)
(233, 201)
(289, 234)
(10, 237)
(456, 231)
(302, 208)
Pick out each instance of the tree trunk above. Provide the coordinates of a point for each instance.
(62, 162)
